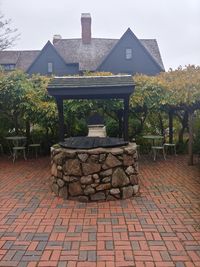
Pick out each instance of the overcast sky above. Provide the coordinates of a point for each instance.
(174, 23)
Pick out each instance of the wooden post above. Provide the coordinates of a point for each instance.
(120, 121)
(28, 131)
(126, 111)
(190, 143)
(59, 102)
(171, 127)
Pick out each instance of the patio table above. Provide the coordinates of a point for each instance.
(14, 141)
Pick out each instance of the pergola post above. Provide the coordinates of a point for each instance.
(126, 112)
(171, 126)
(190, 143)
(59, 102)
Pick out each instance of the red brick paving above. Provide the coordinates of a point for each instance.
(161, 227)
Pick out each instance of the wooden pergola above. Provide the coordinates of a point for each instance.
(92, 87)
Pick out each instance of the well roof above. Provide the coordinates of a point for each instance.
(115, 86)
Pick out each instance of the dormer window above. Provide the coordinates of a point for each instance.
(129, 53)
(8, 67)
(50, 67)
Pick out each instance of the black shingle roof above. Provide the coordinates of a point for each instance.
(91, 81)
(92, 87)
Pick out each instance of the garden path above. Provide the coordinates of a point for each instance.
(161, 227)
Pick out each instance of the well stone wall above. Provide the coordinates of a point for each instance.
(95, 174)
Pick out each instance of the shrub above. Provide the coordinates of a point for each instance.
(112, 128)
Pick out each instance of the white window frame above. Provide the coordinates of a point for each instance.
(128, 53)
(50, 67)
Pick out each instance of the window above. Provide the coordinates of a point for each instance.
(50, 67)
(128, 53)
(8, 67)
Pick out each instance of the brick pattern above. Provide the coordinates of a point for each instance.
(160, 227)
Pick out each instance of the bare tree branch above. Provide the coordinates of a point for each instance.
(8, 35)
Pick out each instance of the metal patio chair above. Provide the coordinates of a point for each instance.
(157, 147)
(34, 147)
(19, 148)
(168, 146)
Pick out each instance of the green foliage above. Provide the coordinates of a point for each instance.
(112, 128)
(26, 106)
(46, 140)
(99, 73)
(14, 88)
(196, 145)
(182, 86)
(24, 101)
(176, 90)
(149, 92)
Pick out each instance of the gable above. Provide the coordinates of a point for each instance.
(69, 56)
(50, 57)
(140, 62)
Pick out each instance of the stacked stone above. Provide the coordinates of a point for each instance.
(95, 174)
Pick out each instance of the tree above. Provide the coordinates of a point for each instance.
(183, 87)
(176, 92)
(147, 100)
(14, 88)
(8, 35)
(26, 106)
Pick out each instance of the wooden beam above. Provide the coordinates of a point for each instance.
(120, 113)
(126, 112)
(59, 102)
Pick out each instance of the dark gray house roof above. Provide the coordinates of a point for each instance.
(90, 56)
(152, 47)
(22, 59)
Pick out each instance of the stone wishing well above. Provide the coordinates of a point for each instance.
(92, 169)
(95, 174)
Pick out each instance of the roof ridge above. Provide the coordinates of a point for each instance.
(95, 76)
(93, 38)
(145, 39)
(99, 38)
(19, 51)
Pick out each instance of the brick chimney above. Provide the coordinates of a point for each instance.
(56, 38)
(86, 28)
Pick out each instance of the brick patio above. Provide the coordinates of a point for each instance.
(161, 227)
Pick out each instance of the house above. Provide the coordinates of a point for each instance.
(74, 56)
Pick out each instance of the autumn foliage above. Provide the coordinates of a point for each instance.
(25, 104)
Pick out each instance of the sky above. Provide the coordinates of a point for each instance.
(175, 24)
